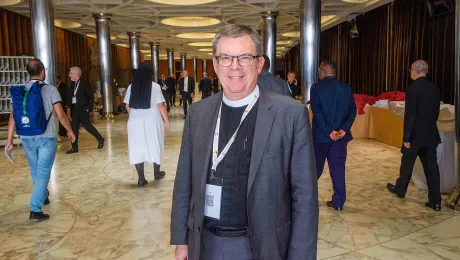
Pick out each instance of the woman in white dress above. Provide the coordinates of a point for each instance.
(148, 121)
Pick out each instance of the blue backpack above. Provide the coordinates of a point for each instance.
(28, 110)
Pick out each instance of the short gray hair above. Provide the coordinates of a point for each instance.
(76, 70)
(238, 30)
(420, 66)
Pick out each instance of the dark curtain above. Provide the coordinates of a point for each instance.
(390, 39)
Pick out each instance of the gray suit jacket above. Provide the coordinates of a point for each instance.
(282, 187)
(274, 84)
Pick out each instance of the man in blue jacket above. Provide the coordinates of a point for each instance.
(334, 111)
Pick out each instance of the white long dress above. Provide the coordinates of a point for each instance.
(146, 130)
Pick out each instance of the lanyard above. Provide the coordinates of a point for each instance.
(76, 88)
(215, 146)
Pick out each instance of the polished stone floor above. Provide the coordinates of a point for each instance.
(98, 212)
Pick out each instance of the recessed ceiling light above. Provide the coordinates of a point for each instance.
(355, 1)
(210, 53)
(196, 35)
(66, 24)
(123, 45)
(326, 18)
(201, 44)
(205, 49)
(190, 21)
(279, 48)
(291, 34)
(9, 2)
(94, 36)
(283, 42)
(123, 36)
(183, 2)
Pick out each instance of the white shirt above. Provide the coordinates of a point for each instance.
(242, 102)
(186, 84)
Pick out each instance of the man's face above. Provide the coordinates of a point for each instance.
(291, 77)
(185, 73)
(162, 77)
(237, 79)
(74, 76)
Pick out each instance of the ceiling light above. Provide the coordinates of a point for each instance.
(205, 49)
(196, 35)
(123, 45)
(9, 2)
(95, 37)
(283, 42)
(355, 1)
(123, 36)
(183, 2)
(279, 48)
(66, 24)
(291, 34)
(210, 53)
(190, 21)
(326, 18)
(201, 44)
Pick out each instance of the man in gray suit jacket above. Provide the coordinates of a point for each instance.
(246, 179)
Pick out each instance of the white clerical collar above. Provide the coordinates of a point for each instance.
(242, 102)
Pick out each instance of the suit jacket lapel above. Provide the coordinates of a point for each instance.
(264, 122)
(208, 122)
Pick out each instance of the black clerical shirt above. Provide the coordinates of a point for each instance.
(233, 171)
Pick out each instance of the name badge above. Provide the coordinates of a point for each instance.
(74, 100)
(213, 197)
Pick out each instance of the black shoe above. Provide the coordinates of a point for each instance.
(101, 143)
(142, 183)
(47, 200)
(73, 150)
(435, 207)
(331, 204)
(38, 215)
(392, 189)
(160, 176)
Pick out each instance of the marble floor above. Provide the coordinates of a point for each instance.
(98, 212)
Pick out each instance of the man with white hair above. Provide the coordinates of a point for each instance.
(82, 106)
(421, 135)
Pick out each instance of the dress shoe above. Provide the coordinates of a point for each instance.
(73, 150)
(160, 176)
(38, 215)
(435, 207)
(331, 204)
(142, 183)
(392, 189)
(101, 143)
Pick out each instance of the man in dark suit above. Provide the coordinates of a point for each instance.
(186, 90)
(421, 136)
(334, 111)
(292, 84)
(165, 90)
(171, 83)
(215, 85)
(253, 196)
(205, 86)
(82, 106)
(272, 83)
(66, 97)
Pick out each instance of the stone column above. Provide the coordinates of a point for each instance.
(170, 61)
(183, 61)
(194, 68)
(205, 69)
(134, 51)
(155, 49)
(270, 37)
(310, 17)
(103, 43)
(42, 18)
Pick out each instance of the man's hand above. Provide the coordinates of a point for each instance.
(9, 147)
(191, 95)
(342, 133)
(334, 135)
(181, 253)
(71, 136)
(167, 126)
(407, 145)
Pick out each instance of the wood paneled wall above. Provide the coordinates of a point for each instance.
(72, 49)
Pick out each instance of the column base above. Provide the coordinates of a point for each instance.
(108, 115)
(453, 201)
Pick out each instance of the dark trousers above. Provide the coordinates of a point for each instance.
(187, 100)
(225, 248)
(172, 97)
(336, 155)
(80, 116)
(428, 157)
(62, 130)
(166, 96)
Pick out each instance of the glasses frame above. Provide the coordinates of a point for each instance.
(238, 59)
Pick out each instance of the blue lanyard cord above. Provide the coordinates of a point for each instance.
(24, 102)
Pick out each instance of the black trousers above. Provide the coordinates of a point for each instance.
(429, 161)
(187, 100)
(225, 248)
(62, 130)
(80, 116)
(172, 98)
(166, 95)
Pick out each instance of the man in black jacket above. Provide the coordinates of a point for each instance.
(186, 90)
(171, 83)
(165, 90)
(205, 86)
(82, 106)
(421, 136)
(271, 83)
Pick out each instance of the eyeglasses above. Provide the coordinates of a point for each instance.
(243, 60)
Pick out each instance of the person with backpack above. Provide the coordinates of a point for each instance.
(34, 107)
